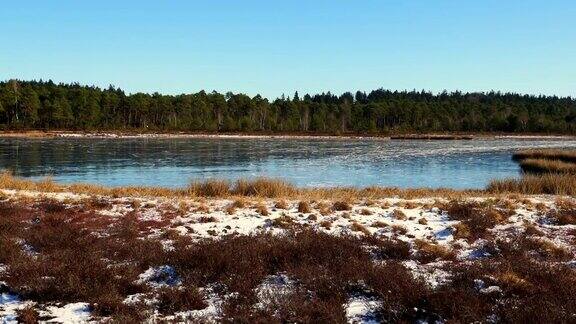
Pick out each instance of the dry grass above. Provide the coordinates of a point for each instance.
(380, 224)
(399, 229)
(230, 209)
(365, 212)
(326, 224)
(270, 188)
(551, 184)
(564, 214)
(281, 204)
(475, 218)
(399, 215)
(27, 315)
(547, 154)
(260, 187)
(341, 205)
(357, 227)
(304, 207)
(262, 209)
(428, 252)
(539, 166)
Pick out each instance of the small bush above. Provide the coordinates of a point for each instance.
(27, 315)
(341, 205)
(262, 209)
(380, 224)
(399, 215)
(399, 229)
(281, 204)
(207, 219)
(357, 227)
(172, 300)
(365, 212)
(326, 224)
(427, 252)
(304, 207)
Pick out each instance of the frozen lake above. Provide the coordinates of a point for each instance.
(304, 162)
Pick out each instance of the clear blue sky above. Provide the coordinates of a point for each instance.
(275, 47)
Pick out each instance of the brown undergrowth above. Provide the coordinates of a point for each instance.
(61, 253)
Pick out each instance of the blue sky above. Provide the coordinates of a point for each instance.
(273, 47)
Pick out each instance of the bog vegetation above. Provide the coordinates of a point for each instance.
(46, 105)
(58, 253)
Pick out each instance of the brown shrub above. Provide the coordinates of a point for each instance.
(547, 154)
(380, 224)
(240, 203)
(476, 218)
(341, 205)
(462, 231)
(546, 248)
(304, 207)
(230, 209)
(202, 208)
(281, 204)
(423, 221)
(172, 300)
(326, 224)
(207, 219)
(365, 212)
(357, 227)
(262, 209)
(27, 315)
(399, 215)
(283, 221)
(399, 229)
(540, 166)
(564, 214)
(427, 252)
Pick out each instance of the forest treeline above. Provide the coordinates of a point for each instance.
(51, 106)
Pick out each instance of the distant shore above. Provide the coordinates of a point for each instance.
(256, 135)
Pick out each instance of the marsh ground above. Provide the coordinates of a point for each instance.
(83, 256)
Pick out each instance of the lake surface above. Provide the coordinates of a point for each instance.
(303, 162)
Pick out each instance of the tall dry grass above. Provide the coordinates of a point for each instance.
(272, 188)
(538, 166)
(551, 184)
(547, 154)
(259, 187)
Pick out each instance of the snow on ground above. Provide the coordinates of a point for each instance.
(405, 220)
(158, 277)
(10, 304)
(361, 310)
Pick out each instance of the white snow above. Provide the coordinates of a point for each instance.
(159, 277)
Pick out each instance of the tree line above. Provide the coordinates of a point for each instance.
(50, 106)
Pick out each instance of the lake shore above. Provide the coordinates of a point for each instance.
(135, 134)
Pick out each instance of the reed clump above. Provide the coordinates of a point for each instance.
(547, 154)
(539, 166)
(550, 184)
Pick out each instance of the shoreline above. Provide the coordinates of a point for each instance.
(201, 135)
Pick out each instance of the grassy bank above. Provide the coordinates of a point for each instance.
(260, 187)
(546, 154)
